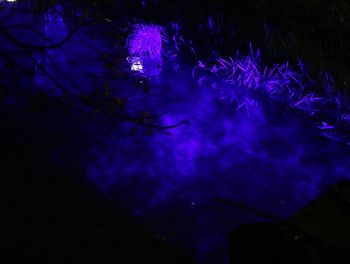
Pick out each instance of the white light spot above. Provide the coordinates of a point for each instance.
(137, 66)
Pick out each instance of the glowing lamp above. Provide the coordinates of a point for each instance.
(136, 64)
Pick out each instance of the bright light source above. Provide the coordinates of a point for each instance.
(135, 64)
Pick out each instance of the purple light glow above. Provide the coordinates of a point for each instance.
(261, 159)
(146, 41)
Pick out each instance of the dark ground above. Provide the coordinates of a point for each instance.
(48, 216)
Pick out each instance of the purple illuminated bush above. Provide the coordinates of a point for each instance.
(247, 72)
(281, 81)
(243, 72)
(146, 41)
